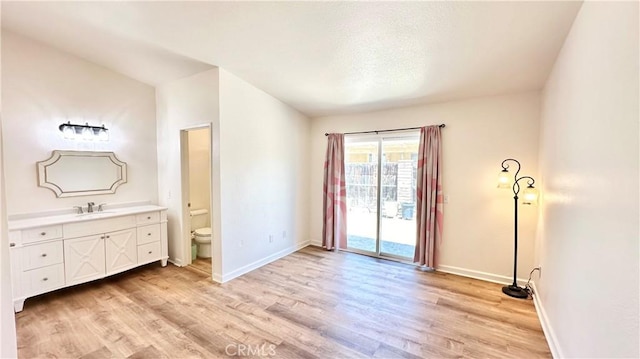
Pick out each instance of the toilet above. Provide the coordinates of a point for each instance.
(201, 235)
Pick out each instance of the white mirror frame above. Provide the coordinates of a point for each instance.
(44, 181)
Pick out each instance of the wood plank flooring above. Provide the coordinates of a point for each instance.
(311, 304)
(202, 264)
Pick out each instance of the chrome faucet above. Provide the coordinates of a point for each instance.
(90, 207)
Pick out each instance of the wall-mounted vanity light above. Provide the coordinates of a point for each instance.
(84, 132)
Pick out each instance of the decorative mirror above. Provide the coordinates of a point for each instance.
(81, 173)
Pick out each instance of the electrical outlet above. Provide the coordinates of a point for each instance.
(445, 198)
(284, 234)
(241, 242)
(271, 238)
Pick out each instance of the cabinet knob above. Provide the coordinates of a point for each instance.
(150, 252)
(148, 217)
(12, 244)
(45, 279)
(148, 234)
(44, 254)
(108, 236)
(43, 233)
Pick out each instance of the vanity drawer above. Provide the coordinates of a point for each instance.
(44, 279)
(92, 227)
(148, 234)
(42, 255)
(41, 233)
(147, 218)
(149, 252)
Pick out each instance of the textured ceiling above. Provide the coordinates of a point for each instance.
(319, 57)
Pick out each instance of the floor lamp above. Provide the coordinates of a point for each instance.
(529, 196)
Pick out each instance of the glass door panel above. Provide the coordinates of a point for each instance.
(398, 197)
(361, 167)
(381, 195)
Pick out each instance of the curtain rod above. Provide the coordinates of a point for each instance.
(378, 131)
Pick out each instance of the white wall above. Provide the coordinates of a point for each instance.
(588, 235)
(43, 87)
(182, 104)
(199, 171)
(479, 134)
(264, 167)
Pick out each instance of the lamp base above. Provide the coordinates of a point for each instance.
(515, 291)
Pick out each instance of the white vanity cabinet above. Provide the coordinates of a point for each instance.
(49, 253)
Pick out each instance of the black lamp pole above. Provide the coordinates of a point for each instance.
(514, 290)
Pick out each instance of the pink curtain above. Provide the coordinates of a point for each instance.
(334, 228)
(429, 212)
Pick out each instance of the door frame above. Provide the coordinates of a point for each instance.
(185, 190)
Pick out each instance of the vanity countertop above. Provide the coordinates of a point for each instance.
(14, 225)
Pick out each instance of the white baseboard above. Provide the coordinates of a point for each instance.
(489, 277)
(549, 334)
(216, 277)
(259, 263)
(176, 262)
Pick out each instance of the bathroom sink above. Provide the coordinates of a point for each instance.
(94, 214)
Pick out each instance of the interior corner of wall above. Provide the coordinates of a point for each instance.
(545, 323)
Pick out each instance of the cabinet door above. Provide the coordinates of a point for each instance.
(84, 259)
(120, 250)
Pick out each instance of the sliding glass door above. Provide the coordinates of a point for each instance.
(381, 186)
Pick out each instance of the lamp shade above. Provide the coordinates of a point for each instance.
(530, 195)
(69, 132)
(87, 133)
(504, 179)
(103, 135)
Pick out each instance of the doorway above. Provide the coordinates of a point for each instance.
(381, 176)
(195, 143)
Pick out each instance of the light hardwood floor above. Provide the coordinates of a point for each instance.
(202, 264)
(311, 304)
